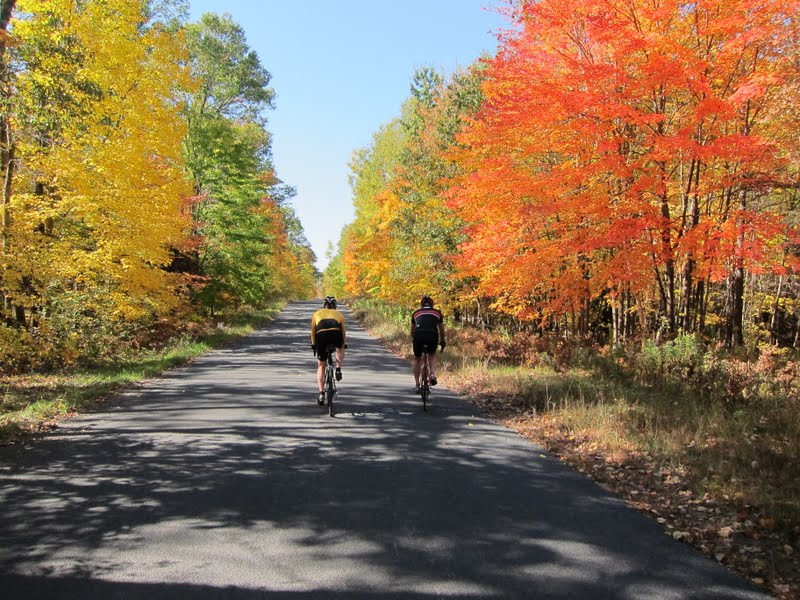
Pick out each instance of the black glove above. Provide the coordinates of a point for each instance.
(345, 346)
(314, 349)
(442, 344)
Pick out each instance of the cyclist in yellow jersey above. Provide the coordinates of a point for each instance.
(328, 329)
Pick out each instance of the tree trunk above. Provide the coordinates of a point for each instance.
(688, 312)
(774, 323)
(668, 289)
(796, 343)
(736, 314)
(669, 272)
(701, 302)
(642, 317)
(6, 138)
(669, 262)
(6, 147)
(689, 306)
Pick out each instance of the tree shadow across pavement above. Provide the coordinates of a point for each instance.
(225, 481)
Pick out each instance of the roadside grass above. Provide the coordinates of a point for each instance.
(35, 402)
(730, 437)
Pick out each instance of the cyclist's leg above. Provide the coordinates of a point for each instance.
(415, 366)
(339, 358)
(320, 374)
(431, 342)
(336, 362)
(426, 341)
(339, 343)
(322, 344)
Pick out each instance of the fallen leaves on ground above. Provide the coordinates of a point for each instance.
(739, 537)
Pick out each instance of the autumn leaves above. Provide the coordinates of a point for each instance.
(138, 180)
(629, 164)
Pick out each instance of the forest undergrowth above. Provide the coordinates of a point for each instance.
(704, 442)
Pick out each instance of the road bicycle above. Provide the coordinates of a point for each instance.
(329, 389)
(424, 377)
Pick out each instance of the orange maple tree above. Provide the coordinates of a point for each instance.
(632, 153)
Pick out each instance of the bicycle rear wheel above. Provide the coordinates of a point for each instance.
(330, 390)
(331, 396)
(330, 383)
(424, 388)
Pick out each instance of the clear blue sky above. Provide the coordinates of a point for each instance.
(341, 69)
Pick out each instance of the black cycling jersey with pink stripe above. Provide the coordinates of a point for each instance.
(427, 319)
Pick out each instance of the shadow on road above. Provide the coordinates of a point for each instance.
(383, 501)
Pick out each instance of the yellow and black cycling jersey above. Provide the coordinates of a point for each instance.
(327, 320)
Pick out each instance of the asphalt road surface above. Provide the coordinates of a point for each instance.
(224, 479)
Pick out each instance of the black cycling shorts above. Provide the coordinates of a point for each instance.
(327, 338)
(424, 339)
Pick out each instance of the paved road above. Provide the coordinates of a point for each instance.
(225, 480)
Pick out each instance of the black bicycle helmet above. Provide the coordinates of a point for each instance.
(426, 301)
(330, 302)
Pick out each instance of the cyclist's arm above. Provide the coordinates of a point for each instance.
(344, 332)
(313, 332)
(442, 337)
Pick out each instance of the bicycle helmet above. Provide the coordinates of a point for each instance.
(330, 302)
(426, 301)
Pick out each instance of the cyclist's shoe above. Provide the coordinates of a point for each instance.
(338, 374)
(321, 398)
(434, 381)
(416, 389)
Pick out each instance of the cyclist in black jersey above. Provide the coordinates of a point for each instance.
(427, 330)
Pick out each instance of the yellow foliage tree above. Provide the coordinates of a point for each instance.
(105, 185)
